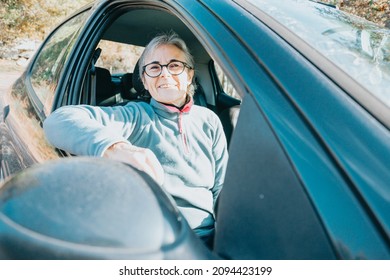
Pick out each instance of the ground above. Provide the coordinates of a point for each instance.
(9, 72)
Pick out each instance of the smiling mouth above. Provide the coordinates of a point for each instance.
(166, 86)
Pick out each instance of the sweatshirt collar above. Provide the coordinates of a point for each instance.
(171, 108)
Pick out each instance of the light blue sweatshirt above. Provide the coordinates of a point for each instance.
(189, 143)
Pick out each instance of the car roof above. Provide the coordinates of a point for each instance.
(131, 27)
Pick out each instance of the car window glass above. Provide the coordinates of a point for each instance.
(118, 58)
(49, 63)
(225, 83)
(359, 47)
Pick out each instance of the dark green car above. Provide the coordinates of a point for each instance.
(303, 92)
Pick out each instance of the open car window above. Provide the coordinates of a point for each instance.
(118, 58)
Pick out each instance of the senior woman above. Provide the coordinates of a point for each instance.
(179, 144)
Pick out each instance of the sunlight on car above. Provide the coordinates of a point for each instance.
(118, 57)
(360, 48)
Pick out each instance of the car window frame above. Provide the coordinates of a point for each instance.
(45, 108)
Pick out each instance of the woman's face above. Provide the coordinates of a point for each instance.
(167, 88)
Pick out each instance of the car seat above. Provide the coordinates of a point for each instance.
(104, 90)
(229, 119)
(128, 92)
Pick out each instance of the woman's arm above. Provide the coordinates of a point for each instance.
(141, 158)
(88, 130)
(102, 131)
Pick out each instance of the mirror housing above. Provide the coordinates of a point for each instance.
(91, 208)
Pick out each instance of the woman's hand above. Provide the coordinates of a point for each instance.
(141, 158)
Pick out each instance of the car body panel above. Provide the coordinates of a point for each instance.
(25, 129)
(319, 103)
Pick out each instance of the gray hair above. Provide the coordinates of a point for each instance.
(173, 39)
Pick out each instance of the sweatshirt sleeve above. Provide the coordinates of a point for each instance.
(88, 130)
(220, 153)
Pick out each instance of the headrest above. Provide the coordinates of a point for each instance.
(138, 85)
(137, 81)
(128, 91)
(104, 85)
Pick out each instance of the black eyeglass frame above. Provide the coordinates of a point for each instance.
(186, 65)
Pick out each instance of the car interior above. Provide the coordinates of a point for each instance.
(108, 83)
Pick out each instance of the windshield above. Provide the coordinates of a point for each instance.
(359, 47)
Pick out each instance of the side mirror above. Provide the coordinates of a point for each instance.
(91, 208)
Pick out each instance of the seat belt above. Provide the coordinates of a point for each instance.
(92, 73)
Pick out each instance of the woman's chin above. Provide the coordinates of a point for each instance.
(170, 96)
(168, 92)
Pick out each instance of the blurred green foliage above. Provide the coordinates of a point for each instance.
(33, 18)
(377, 11)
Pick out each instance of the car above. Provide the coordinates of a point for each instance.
(302, 90)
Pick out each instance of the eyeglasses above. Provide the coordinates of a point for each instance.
(175, 67)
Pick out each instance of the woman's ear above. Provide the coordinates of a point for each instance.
(143, 81)
(191, 74)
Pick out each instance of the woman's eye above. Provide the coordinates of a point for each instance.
(154, 67)
(175, 66)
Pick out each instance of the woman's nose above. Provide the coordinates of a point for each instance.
(164, 71)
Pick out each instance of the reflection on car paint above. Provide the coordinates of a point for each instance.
(359, 47)
(25, 124)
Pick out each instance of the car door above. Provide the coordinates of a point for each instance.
(292, 178)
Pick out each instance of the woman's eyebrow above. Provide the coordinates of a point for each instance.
(158, 62)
